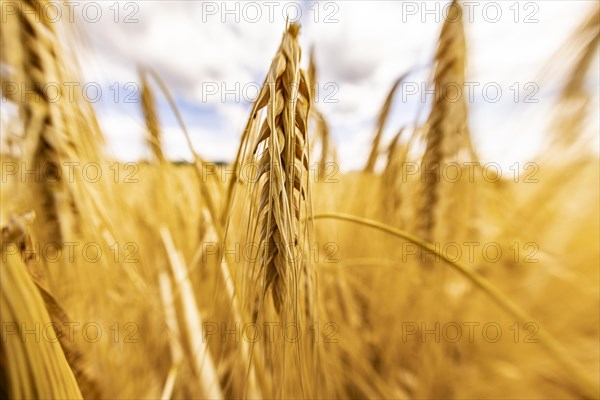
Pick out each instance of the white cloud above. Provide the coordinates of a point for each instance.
(372, 44)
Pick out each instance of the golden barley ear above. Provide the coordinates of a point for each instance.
(32, 39)
(16, 233)
(154, 135)
(312, 71)
(327, 150)
(447, 128)
(392, 177)
(574, 97)
(322, 132)
(56, 131)
(281, 155)
(32, 368)
(381, 119)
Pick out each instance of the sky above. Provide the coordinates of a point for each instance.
(214, 56)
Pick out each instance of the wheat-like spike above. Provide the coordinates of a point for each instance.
(151, 118)
(324, 135)
(447, 120)
(31, 38)
(322, 127)
(381, 119)
(392, 173)
(16, 232)
(392, 151)
(32, 368)
(282, 155)
(76, 359)
(574, 96)
(280, 192)
(55, 132)
(312, 72)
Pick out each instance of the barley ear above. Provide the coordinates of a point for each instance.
(281, 155)
(448, 118)
(574, 98)
(381, 119)
(153, 137)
